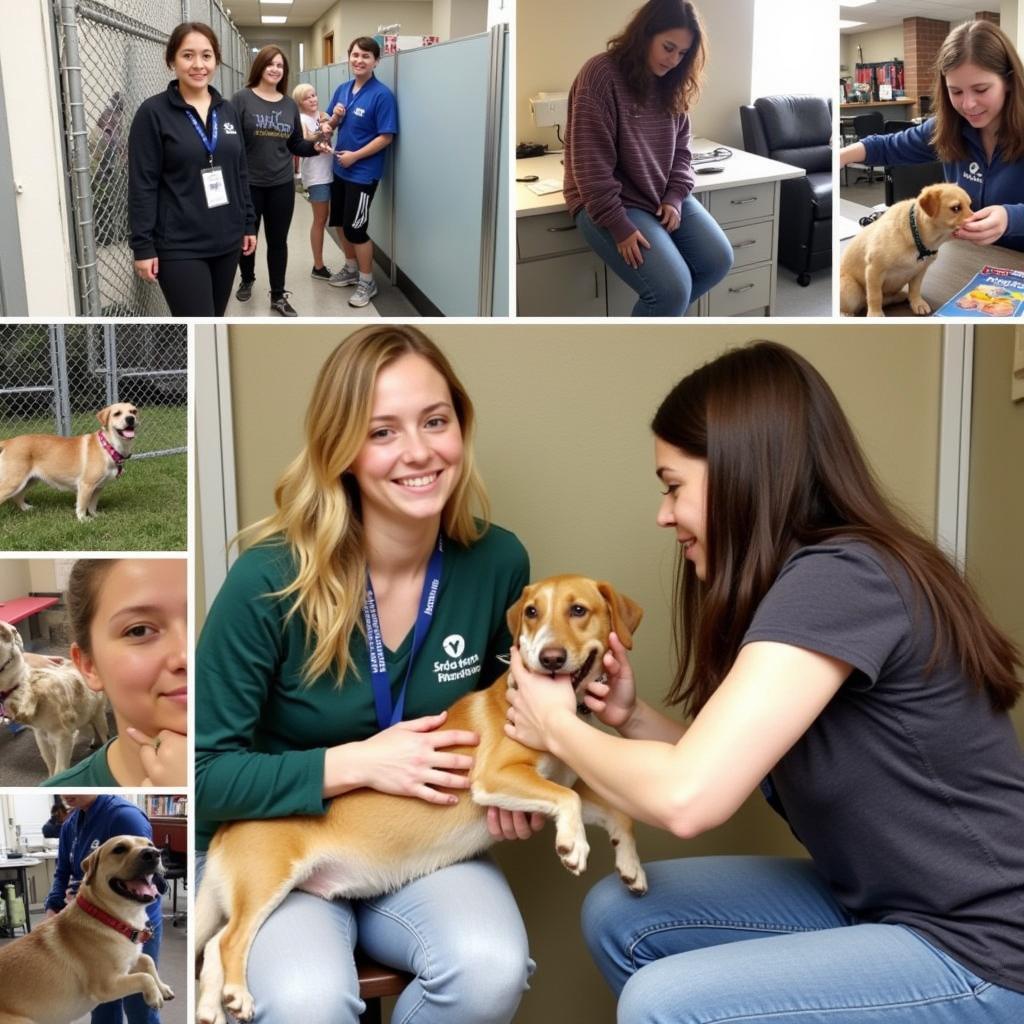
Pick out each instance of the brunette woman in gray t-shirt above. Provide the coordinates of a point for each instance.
(833, 656)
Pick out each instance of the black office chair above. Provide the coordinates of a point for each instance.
(892, 127)
(906, 181)
(797, 130)
(864, 125)
(175, 870)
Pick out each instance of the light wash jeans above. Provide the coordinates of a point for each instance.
(761, 940)
(458, 931)
(677, 269)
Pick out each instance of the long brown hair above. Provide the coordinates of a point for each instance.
(987, 46)
(785, 470)
(318, 508)
(259, 64)
(679, 89)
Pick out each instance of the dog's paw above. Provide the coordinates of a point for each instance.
(875, 312)
(636, 883)
(239, 1002)
(210, 1014)
(574, 854)
(920, 307)
(153, 995)
(166, 990)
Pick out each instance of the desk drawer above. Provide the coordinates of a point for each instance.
(570, 285)
(751, 243)
(547, 235)
(740, 292)
(745, 202)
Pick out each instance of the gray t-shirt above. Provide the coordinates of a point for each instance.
(272, 133)
(908, 789)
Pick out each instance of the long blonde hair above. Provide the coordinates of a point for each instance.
(318, 509)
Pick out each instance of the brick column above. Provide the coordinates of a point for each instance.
(992, 16)
(922, 38)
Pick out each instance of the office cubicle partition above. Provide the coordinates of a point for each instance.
(440, 215)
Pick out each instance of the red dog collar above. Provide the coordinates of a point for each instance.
(135, 934)
(112, 451)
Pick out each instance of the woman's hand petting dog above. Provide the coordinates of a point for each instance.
(164, 756)
(613, 701)
(988, 225)
(407, 759)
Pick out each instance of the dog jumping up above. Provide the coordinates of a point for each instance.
(369, 843)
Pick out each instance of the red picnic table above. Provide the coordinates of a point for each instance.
(18, 609)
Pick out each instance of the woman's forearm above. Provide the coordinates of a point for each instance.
(855, 153)
(647, 723)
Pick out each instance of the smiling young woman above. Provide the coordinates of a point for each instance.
(977, 132)
(325, 666)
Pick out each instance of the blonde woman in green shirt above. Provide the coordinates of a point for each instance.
(375, 512)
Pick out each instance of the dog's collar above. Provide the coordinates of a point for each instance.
(135, 934)
(922, 252)
(112, 452)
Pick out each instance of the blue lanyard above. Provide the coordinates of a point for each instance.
(208, 144)
(386, 714)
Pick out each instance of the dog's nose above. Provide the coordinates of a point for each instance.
(130, 420)
(150, 855)
(553, 658)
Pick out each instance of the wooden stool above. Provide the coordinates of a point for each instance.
(375, 982)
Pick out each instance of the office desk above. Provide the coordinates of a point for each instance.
(956, 264)
(559, 275)
(19, 866)
(170, 833)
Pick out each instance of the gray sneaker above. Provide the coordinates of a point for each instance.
(363, 293)
(344, 278)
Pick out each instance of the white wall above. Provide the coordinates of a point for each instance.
(36, 133)
(348, 19)
(555, 39)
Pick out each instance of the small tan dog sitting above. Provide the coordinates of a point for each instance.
(897, 249)
(91, 952)
(370, 843)
(53, 700)
(83, 464)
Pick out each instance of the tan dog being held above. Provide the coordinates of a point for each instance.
(53, 700)
(83, 464)
(884, 257)
(73, 962)
(369, 843)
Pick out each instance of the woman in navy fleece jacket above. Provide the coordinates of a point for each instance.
(977, 132)
(188, 188)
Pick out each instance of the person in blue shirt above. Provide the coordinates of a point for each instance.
(977, 132)
(92, 821)
(366, 110)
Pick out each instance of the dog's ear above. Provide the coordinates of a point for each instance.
(514, 617)
(89, 866)
(104, 416)
(930, 200)
(625, 612)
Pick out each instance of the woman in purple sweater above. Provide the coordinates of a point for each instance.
(628, 180)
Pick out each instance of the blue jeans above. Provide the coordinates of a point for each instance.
(133, 1008)
(677, 269)
(694, 951)
(457, 931)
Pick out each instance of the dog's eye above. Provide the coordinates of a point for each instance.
(530, 611)
(577, 611)
(956, 207)
(121, 848)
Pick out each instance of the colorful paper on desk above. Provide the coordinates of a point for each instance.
(994, 293)
(544, 187)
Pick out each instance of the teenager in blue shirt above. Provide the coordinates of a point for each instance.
(977, 132)
(366, 110)
(92, 821)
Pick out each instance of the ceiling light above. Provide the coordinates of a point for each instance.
(273, 19)
(849, 24)
(842, 3)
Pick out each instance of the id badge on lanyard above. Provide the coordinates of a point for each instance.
(390, 713)
(214, 187)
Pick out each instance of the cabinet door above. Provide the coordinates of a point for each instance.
(562, 286)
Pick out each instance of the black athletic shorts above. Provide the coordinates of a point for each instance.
(350, 208)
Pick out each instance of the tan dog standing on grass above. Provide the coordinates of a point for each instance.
(885, 257)
(83, 464)
(71, 963)
(52, 700)
(369, 843)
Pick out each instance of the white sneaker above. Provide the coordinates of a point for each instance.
(363, 293)
(344, 278)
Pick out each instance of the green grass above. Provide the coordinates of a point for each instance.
(145, 509)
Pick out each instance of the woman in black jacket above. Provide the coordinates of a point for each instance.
(188, 190)
(270, 124)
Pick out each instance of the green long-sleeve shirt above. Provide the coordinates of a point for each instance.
(261, 733)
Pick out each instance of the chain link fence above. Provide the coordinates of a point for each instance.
(111, 59)
(55, 378)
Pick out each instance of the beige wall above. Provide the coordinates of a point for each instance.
(287, 39)
(565, 449)
(348, 19)
(995, 553)
(42, 576)
(15, 579)
(555, 39)
(881, 44)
